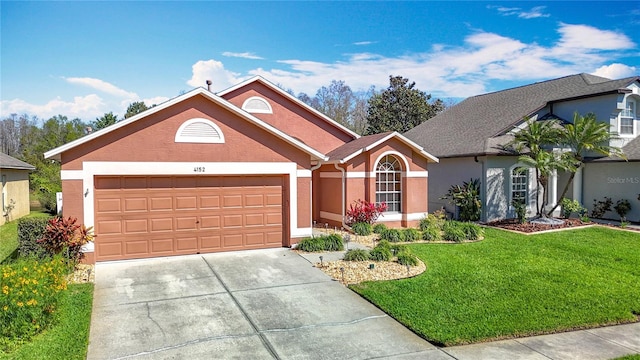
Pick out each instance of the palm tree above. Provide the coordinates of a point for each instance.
(545, 163)
(530, 143)
(585, 135)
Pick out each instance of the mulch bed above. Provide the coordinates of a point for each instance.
(529, 227)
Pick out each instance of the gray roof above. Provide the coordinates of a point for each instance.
(8, 162)
(631, 151)
(473, 126)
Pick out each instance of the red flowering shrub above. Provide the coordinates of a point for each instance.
(362, 211)
(65, 236)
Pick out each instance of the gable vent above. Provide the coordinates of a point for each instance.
(199, 131)
(257, 104)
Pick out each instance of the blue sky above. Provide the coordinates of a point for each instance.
(82, 59)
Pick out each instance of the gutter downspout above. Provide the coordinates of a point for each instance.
(344, 178)
(313, 168)
(483, 189)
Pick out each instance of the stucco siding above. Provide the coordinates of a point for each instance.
(617, 180)
(15, 192)
(153, 139)
(498, 188)
(292, 118)
(449, 171)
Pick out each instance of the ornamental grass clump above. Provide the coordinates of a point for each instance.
(392, 235)
(331, 242)
(380, 253)
(471, 231)
(30, 293)
(453, 231)
(362, 228)
(411, 234)
(356, 255)
(379, 228)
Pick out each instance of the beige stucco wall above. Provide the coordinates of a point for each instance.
(16, 188)
(617, 180)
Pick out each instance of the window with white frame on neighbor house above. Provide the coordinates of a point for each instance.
(627, 117)
(519, 184)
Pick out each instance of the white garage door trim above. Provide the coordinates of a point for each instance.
(90, 169)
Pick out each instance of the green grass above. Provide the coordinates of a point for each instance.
(9, 235)
(68, 338)
(512, 285)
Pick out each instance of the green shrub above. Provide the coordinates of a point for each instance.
(571, 206)
(521, 210)
(380, 253)
(436, 219)
(384, 243)
(453, 231)
(411, 234)
(356, 255)
(431, 233)
(30, 294)
(392, 235)
(331, 242)
(362, 228)
(471, 231)
(398, 248)
(407, 258)
(312, 244)
(379, 228)
(30, 230)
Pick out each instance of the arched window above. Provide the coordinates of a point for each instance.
(199, 131)
(256, 104)
(389, 184)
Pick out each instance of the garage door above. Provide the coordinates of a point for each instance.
(144, 216)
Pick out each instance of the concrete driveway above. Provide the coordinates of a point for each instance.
(264, 304)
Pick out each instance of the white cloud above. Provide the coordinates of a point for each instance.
(101, 85)
(535, 12)
(83, 107)
(590, 38)
(244, 55)
(156, 100)
(616, 71)
(213, 70)
(361, 43)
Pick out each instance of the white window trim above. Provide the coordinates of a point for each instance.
(257, 111)
(634, 119)
(401, 159)
(199, 139)
(531, 183)
(91, 169)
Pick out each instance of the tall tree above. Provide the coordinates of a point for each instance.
(57, 131)
(400, 107)
(336, 101)
(135, 108)
(13, 130)
(104, 121)
(586, 135)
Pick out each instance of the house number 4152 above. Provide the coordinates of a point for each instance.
(198, 169)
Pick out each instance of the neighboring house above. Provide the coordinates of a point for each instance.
(249, 167)
(15, 187)
(468, 138)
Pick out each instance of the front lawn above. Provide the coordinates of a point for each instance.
(68, 338)
(511, 285)
(9, 235)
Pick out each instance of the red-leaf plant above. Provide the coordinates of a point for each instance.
(362, 211)
(64, 234)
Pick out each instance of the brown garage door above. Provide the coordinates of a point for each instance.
(144, 216)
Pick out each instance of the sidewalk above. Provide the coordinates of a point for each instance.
(593, 344)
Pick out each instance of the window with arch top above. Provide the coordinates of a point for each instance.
(389, 183)
(256, 104)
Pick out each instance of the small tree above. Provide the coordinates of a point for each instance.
(467, 199)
